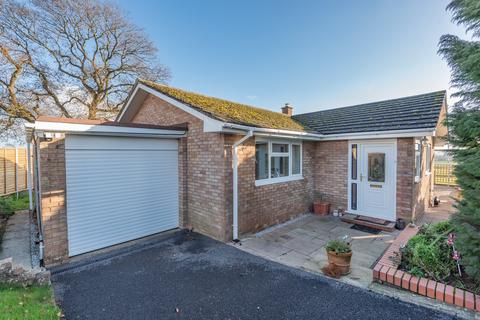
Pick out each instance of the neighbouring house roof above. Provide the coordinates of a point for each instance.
(408, 113)
(229, 111)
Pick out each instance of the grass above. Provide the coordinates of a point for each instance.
(33, 302)
(10, 204)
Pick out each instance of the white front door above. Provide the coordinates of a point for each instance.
(372, 178)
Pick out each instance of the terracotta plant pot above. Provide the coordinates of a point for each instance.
(321, 208)
(341, 260)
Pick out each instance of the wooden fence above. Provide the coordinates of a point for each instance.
(13, 170)
(443, 173)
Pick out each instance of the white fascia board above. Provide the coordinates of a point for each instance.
(273, 132)
(285, 136)
(380, 135)
(209, 124)
(44, 126)
(127, 103)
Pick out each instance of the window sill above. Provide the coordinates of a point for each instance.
(264, 182)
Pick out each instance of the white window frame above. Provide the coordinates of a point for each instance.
(428, 159)
(289, 154)
(418, 166)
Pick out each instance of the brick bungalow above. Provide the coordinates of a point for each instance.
(176, 159)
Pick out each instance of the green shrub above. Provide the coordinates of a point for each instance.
(338, 246)
(463, 57)
(441, 227)
(428, 254)
(417, 272)
(10, 204)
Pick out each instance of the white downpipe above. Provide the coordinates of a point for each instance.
(38, 200)
(29, 177)
(235, 182)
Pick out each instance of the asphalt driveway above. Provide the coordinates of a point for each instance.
(189, 276)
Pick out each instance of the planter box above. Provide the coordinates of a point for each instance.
(321, 208)
(386, 271)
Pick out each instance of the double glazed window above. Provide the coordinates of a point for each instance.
(277, 161)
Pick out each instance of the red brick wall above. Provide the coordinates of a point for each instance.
(413, 198)
(331, 172)
(260, 207)
(54, 218)
(202, 197)
(405, 177)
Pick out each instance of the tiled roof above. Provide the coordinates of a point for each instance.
(228, 111)
(414, 112)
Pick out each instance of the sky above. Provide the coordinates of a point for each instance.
(312, 54)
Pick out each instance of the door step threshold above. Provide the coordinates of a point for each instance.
(373, 223)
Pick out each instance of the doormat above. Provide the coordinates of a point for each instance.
(365, 229)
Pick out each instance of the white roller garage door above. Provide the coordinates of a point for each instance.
(119, 189)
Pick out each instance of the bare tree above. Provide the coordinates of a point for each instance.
(69, 58)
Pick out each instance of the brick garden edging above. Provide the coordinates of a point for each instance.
(386, 271)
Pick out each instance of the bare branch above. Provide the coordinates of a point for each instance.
(70, 57)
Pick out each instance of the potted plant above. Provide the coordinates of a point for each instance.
(339, 254)
(321, 206)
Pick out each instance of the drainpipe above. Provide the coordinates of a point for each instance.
(235, 183)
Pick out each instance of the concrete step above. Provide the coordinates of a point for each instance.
(379, 224)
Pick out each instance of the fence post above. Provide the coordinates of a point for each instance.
(16, 171)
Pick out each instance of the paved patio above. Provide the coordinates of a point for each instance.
(300, 243)
(446, 207)
(16, 240)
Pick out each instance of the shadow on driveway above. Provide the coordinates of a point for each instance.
(206, 279)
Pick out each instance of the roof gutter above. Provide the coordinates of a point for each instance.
(235, 128)
(381, 134)
(274, 132)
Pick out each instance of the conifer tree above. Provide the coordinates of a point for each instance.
(463, 57)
